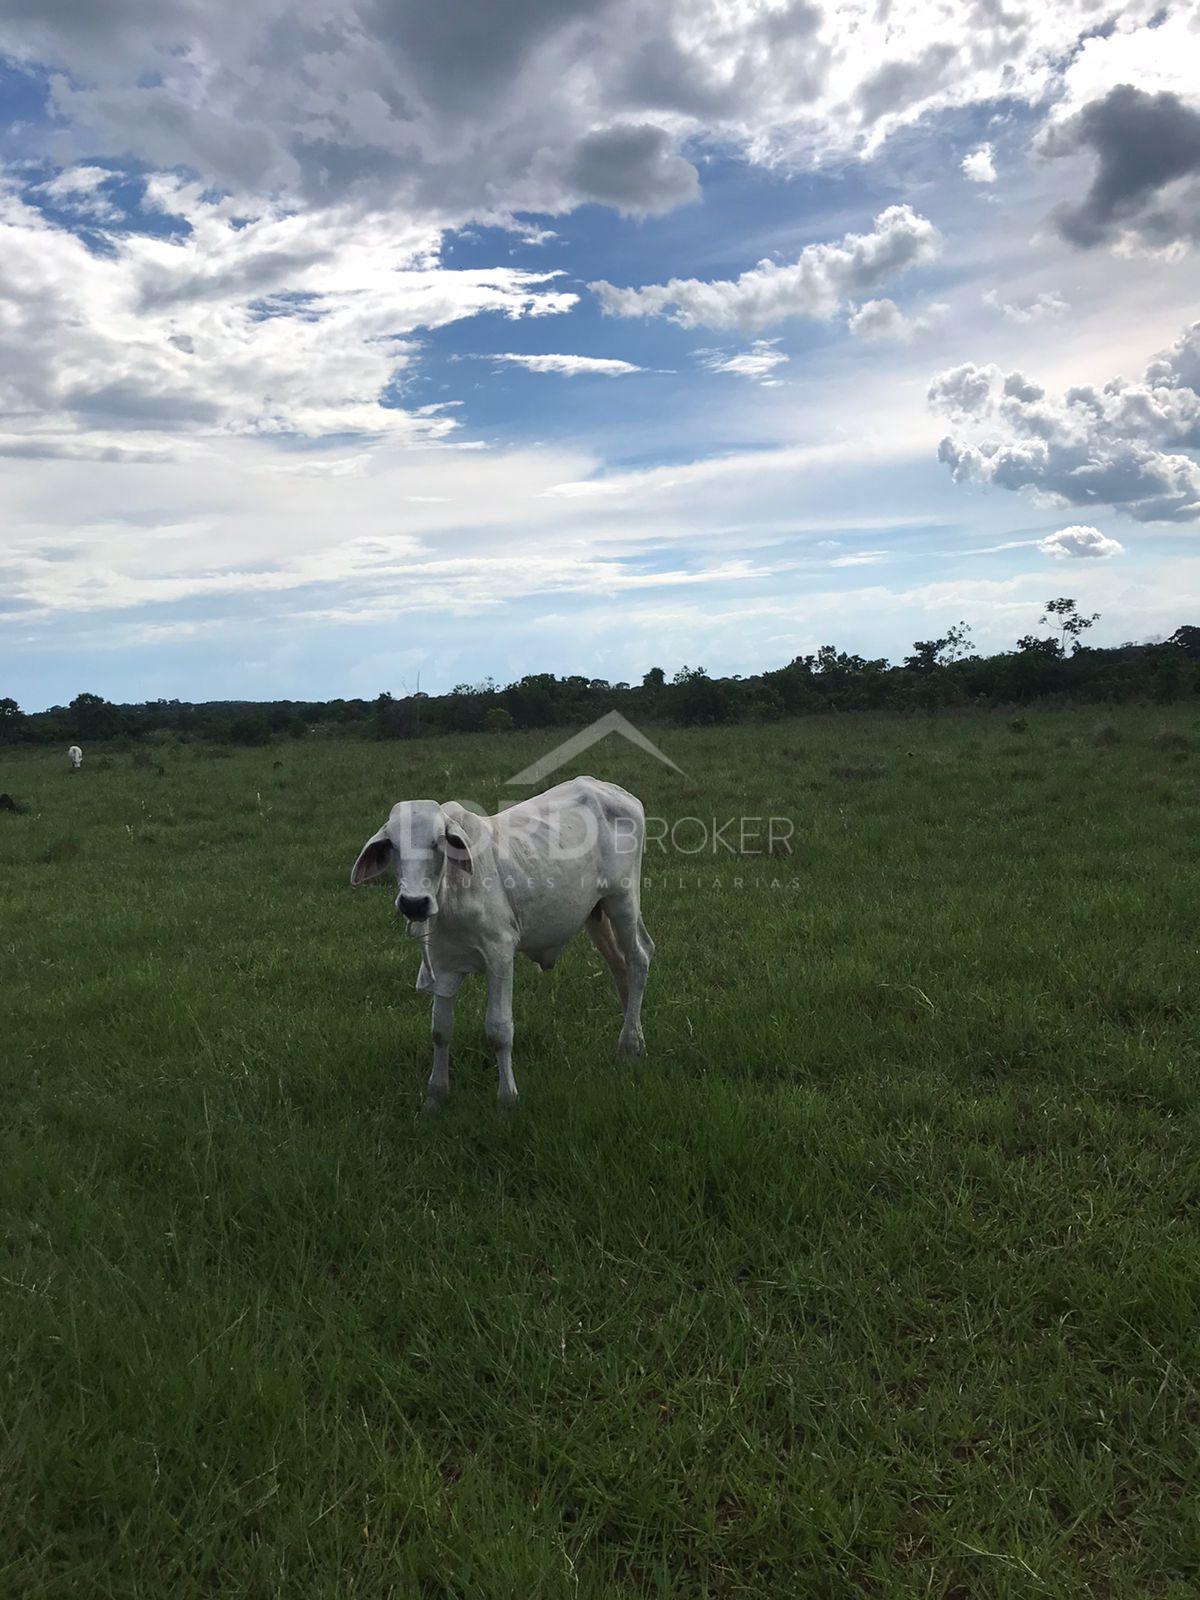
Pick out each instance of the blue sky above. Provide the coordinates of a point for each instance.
(345, 343)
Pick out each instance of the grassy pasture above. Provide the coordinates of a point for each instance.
(879, 1277)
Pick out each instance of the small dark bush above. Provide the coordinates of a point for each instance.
(1106, 735)
(1018, 725)
(60, 850)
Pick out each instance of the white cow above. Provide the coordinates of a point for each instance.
(75, 757)
(476, 890)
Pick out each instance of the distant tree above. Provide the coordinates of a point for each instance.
(251, 729)
(387, 721)
(1030, 645)
(12, 721)
(93, 717)
(929, 655)
(958, 642)
(697, 698)
(764, 703)
(1065, 615)
(498, 720)
(925, 654)
(1187, 639)
(1169, 680)
(654, 679)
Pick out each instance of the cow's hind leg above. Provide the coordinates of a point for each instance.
(600, 931)
(636, 947)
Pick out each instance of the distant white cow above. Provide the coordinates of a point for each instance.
(75, 757)
(476, 890)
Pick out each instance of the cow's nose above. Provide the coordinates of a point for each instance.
(414, 906)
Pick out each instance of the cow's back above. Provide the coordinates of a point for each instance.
(559, 851)
(580, 806)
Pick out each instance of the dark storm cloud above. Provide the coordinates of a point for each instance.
(1143, 144)
(633, 167)
(459, 50)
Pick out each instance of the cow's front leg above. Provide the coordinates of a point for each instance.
(500, 1024)
(445, 988)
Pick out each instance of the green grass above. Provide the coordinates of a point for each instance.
(879, 1277)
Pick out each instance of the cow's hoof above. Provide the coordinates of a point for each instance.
(434, 1102)
(631, 1045)
(507, 1102)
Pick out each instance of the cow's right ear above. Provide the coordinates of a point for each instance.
(372, 858)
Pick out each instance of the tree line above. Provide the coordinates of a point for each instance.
(1054, 665)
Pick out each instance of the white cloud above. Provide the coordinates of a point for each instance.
(1162, 55)
(253, 329)
(883, 322)
(1080, 542)
(584, 489)
(759, 363)
(273, 322)
(1121, 445)
(1047, 304)
(479, 110)
(815, 285)
(570, 366)
(979, 166)
(861, 558)
(79, 190)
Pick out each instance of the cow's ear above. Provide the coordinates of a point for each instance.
(372, 858)
(455, 848)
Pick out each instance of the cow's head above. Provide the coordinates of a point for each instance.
(419, 840)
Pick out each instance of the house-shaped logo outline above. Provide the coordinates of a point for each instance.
(610, 722)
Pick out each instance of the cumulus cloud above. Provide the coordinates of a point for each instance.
(759, 363)
(1146, 182)
(273, 322)
(1158, 51)
(979, 165)
(1048, 304)
(633, 168)
(1080, 542)
(474, 109)
(569, 366)
(1121, 445)
(883, 322)
(822, 278)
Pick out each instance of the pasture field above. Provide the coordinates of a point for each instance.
(878, 1277)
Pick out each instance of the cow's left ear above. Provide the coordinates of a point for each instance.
(372, 858)
(454, 847)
